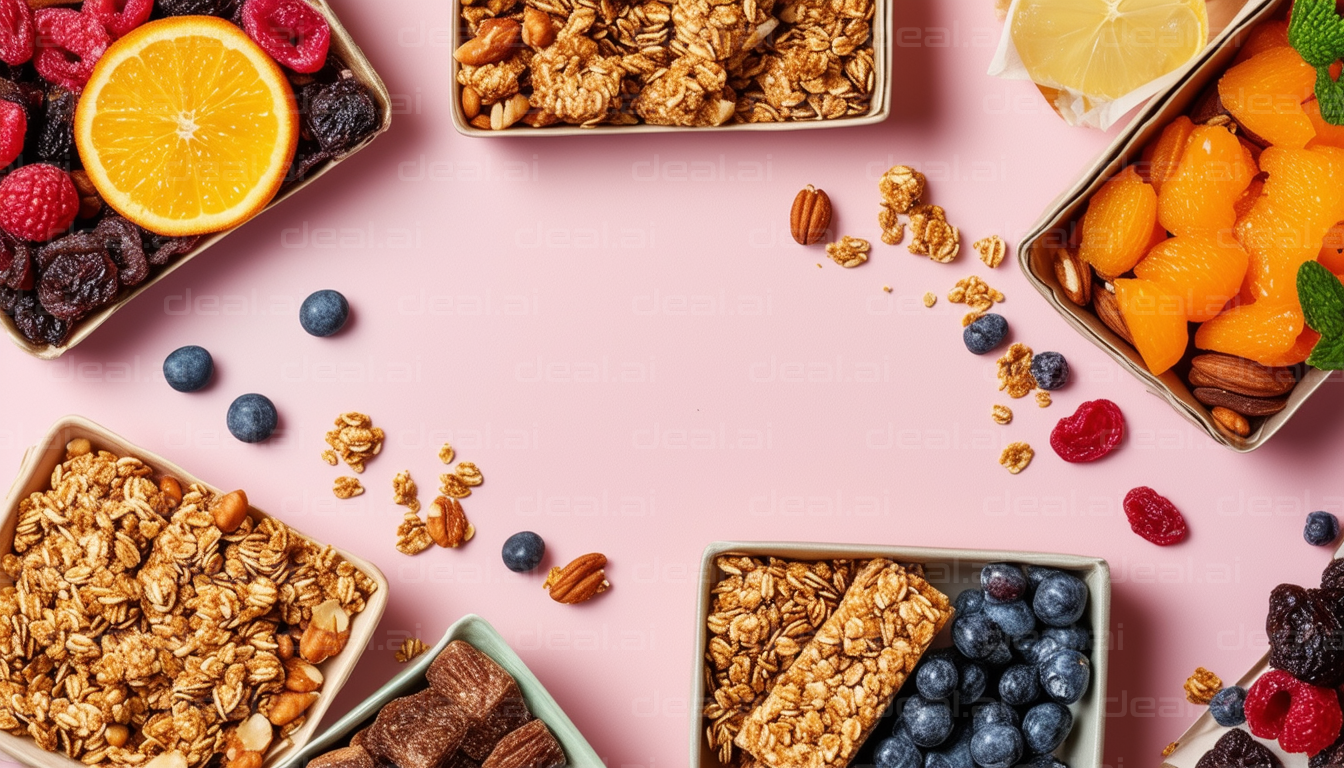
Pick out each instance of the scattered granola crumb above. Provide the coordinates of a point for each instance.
(1043, 399)
(331, 458)
(1015, 372)
(930, 299)
(886, 289)
(412, 535)
(347, 487)
(355, 439)
(1167, 750)
(848, 251)
(974, 293)
(971, 317)
(818, 266)
(992, 249)
(410, 648)
(404, 491)
(446, 454)
(1002, 414)
(1201, 686)
(1016, 457)
(454, 486)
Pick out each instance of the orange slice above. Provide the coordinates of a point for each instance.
(186, 126)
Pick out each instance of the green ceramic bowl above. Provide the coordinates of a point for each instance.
(478, 632)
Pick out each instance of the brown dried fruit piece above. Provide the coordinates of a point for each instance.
(483, 689)
(1236, 749)
(418, 731)
(531, 746)
(810, 217)
(345, 757)
(581, 580)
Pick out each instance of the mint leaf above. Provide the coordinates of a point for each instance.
(1330, 97)
(1328, 354)
(1322, 299)
(1316, 31)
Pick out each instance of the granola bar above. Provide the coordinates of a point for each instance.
(826, 704)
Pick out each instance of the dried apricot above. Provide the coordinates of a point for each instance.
(1265, 95)
(1118, 224)
(1303, 198)
(1164, 155)
(1156, 321)
(1264, 331)
(1266, 35)
(1202, 270)
(1200, 196)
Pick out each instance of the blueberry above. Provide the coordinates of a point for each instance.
(976, 636)
(252, 418)
(1322, 529)
(1001, 656)
(1050, 370)
(996, 746)
(1060, 600)
(1002, 583)
(974, 680)
(1065, 675)
(1043, 761)
(936, 678)
(970, 601)
(986, 333)
(928, 722)
(324, 313)
(1043, 648)
(1072, 636)
(1019, 685)
(1025, 646)
(1015, 618)
(523, 551)
(1037, 574)
(1228, 706)
(897, 752)
(957, 755)
(993, 713)
(188, 369)
(1045, 726)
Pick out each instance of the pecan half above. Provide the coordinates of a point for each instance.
(447, 523)
(581, 580)
(810, 217)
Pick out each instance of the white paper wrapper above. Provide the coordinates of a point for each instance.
(1078, 110)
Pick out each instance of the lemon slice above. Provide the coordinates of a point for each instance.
(1104, 49)
(186, 126)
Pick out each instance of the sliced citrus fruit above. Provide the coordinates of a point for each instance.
(1119, 224)
(1104, 49)
(186, 126)
(1156, 320)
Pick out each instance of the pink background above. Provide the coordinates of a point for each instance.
(620, 333)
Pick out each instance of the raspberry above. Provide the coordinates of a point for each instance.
(16, 32)
(291, 31)
(1153, 517)
(69, 43)
(119, 16)
(13, 131)
(1304, 718)
(37, 202)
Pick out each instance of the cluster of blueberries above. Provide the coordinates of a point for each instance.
(1000, 696)
(252, 417)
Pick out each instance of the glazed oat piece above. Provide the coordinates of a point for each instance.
(824, 706)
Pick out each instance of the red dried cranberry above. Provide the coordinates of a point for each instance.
(78, 281)
(1093, 431)
(36, 324)
(16, 264)
(69, 43)
(291, 31)
(119, 16)
(122, 240)
(13, 131)
(16, 32)
(1153, 517)
(1304, 718)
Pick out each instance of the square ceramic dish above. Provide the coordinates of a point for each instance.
(35, 475)
(1053, 230)
(951, 571)
(483, 637)
(878, 110)
(342, 46)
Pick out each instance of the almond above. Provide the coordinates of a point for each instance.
(1232, 421)
(252, 735)
(1108, 311)
(447, 524)
(1246, 406)
(1245, 377)
(78, 447)
(538, 31)
(810, 217)
(1075, 277)
(230, 510)
(505, 113)
(581, 580)
(170, 487)
(471, 102)
(494, 41)
(286, 706)
(481, 121)
(325, 634)
(284, 647)
(172, 759)
(301, 676)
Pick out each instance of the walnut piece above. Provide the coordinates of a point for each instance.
(404, 491)
(974, 293)
(412, 536)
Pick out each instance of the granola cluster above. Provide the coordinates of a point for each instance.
(976, 294)
(902, 189)
(682, 62)
(1016, 457)
(1014, 372)
(848, 251)
(135, 626)
(354, 440)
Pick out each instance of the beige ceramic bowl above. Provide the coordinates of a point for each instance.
(343, 46)
(35, 475)
(950, 571)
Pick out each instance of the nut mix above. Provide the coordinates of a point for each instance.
(177, 612)
(681, 63)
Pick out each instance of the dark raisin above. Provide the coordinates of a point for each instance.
(8, 298)
(81, 279)
(56, 140)
(1236, 749)
(308, 157)
(36, 324)
(340, 114)
(1333, 578)
(193, 7)
(122, 240)
(13, 92)
(16, 264)
(160, 249)
(1304, 635)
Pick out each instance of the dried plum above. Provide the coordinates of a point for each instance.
(56, 140)
(1236, 749)
(8, 299)
(36, 324)
(78, 281)
(16, 264)
(340, 114)
(194, 7)
(160, 249)
(122, 240)
(1305, 635)
(1333, 577)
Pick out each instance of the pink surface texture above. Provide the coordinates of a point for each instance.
(620, 332)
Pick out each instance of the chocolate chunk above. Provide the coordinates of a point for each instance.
(531, 746)
(482, 689)
(423, 730)
(345, 757)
